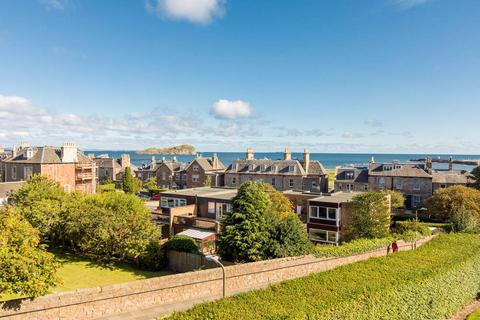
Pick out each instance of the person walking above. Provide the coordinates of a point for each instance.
(394, 247)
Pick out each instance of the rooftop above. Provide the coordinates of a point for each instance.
(337, 197)
(204, 192)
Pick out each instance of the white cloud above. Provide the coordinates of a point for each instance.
(196, 11)
(408, 4)
(54, 4)
(373, 123)
(350, 135)
(226, 109)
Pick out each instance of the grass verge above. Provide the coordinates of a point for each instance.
(429, 283)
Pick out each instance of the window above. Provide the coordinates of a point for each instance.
(14, 173)
(166, 202)
(416, 200)
(387, 168)
(323, 213)
(273, 168)
(349, 187)
(272, 182)
(290, 183)
(349, 175)
(416, 184)
(443, 186)
(66, 188)
(211, 207)
(381, 183)
(234, 180)
(264, 168)
(291, 168)
(251, 167)
(195, 178)
(195, 167)
(365, 187)
(398, 183)
(27, 173)
(323, 235)
(222, 209)
(164, 175)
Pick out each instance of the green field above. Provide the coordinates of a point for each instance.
(432, 282)
(474, 316)
(79, 272)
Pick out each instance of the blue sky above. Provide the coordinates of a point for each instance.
(332, 75)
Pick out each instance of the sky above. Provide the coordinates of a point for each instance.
(385, 76)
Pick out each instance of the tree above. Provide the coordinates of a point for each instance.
(476, 177)
(464, 220)
(25, 267)
(397, 199)
(151, 185)
(446, 202)
(369, 216)
(41, 201)
(129, 185)
(244, 229)
(208, 181)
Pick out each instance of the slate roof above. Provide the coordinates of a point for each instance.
(207, 165)
(174, 166)
(360, 174)
(268, 166)
(404, 171)
(451, 177)
(44, 155)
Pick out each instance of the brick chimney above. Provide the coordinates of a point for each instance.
(428, 164)
(306, 159)
(215, 161)
(69, 152)
(125, 160)
(249, 154)
(287, 154)
(450, 163)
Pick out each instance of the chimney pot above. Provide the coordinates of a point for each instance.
(249, 154)
(287, 154)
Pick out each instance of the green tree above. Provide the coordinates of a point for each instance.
(151, 185)
(446, 202)
(41, 201)
(397, 199)
(245, 230)
(207, 182)
(464, 220)
(129, 183)
(476, 177)
(25, 267)
(369, 216)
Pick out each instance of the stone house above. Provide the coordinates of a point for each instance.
(287, 174)
(67, 165)
(112, 169)
(351, 178)
(171, 174)
(147, 171)
(201, 169)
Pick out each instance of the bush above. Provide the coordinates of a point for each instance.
(183, 244)
(153, 259)
(446, 202)
(25, 267)
(350, 248)
(410, 225)
(432, 282)
(106, 187)
(464, 220)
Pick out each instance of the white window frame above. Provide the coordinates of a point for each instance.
(365, 187)
(211, 207)
(234, 180)
(416, 184)
(273, 168)
(27, 172)
(195, 167)
(14, 173)
(175, 202)
(349, 187)
(381, 182)
(327, 213)
(273, 182)
(416, 200)
(291, 168)
(328, 234)
(195, 178)
(291, 182)
(398, 183)
(349, 175)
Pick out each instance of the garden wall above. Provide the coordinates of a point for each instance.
(173, 291)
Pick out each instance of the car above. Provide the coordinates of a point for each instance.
(155, 197)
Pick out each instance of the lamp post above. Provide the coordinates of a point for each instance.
(216, 260)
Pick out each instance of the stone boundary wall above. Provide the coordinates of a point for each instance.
(174, 289)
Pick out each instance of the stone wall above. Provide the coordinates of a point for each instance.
(173, 292)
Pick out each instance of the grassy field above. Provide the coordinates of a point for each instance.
(79, 272)
(331, 178)
(432, 282)
(474, 316)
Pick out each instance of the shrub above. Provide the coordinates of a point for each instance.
(106, 187)
(464, 220)
(153, 258)
(25, 267)
(183, 244)
(410, 225)
(350, 248)
(432, 282)
(446, 202)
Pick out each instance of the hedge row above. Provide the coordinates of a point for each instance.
(349, 248)
(432, 282)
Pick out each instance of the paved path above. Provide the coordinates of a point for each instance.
(463, 314)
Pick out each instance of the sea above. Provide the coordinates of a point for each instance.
(329, 160)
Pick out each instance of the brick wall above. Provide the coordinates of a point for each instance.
(173, 290)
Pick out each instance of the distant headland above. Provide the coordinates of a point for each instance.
(184, 149)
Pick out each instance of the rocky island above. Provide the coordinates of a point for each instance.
(184, 149)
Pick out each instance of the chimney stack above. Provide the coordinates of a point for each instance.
(153, 162)
(125, 160)
(287, 154)
(428, 164)
(306, 159)
(215, 161)
(450, 163)
(69, 152)
(249, 154)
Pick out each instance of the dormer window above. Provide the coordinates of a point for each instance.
(349, 175)
(195, 168)
(264, 168)
(291, 168)
(273, 168)
(251, 167)
(28, 153)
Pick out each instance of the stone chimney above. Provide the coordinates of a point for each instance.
(249, 154)
(153, 162)
(450, 163)
(287, 154)
(125, 160)
(69, 152)
(428, 164)
(306, 159)
(14, 151)
(215, 161)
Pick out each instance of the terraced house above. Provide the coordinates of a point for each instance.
(286, 174)
(171, 174)
(67, 165)
(202, 170)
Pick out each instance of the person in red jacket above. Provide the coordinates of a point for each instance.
(394, 247)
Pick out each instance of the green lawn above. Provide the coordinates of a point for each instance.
(331, 178)
(80, 272)
(432, 282)
(474, 316)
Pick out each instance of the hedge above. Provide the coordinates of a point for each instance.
(432, 282)
(349, 248)
(182, 243)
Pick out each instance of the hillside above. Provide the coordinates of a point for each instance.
(184, 149)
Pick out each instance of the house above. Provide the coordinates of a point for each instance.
(146, 171)
(110, 169)
(351, 178)
(287, 174)
(7, 188)
(67, 165)
(446, 178)
(171, 174)
(202, 169)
